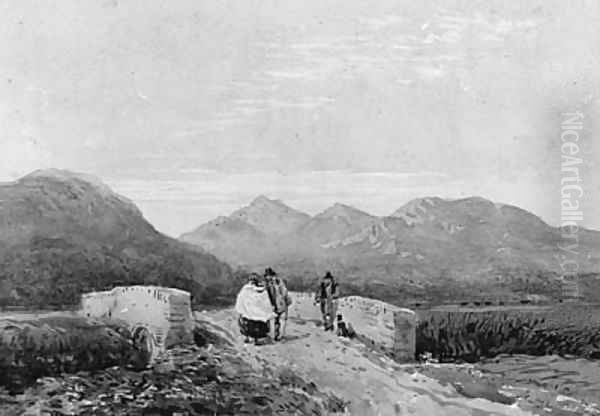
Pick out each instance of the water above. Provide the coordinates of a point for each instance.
(568, 382)
(565, 376)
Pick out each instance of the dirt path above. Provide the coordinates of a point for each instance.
(370, 382)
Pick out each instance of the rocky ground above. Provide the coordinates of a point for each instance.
(210, 380)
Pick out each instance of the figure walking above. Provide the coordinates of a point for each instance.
(326, 296)
(254, 309)
(280, 299)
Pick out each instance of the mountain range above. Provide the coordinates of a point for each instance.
(62, 234)
(464, 247)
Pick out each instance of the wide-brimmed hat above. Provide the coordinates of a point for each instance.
(328, 275)
(270, 272)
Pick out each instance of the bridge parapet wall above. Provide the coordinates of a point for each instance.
(165, 312)
(385, 326)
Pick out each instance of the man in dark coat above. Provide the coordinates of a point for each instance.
(326, 296)
(280, 300)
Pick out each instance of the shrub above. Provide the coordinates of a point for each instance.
(470, 336)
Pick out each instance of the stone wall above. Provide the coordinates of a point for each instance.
(164, 312)
(405, 336)
(381, 324)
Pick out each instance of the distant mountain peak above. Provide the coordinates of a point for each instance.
(339, 205)
(270, 215)
(339, 209)
(263, 202)
(262, 199)
(416, 203)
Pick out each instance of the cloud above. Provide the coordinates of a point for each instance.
(219, 123)
(430, 72)
(378, 23)
(456, 25)
(306, 74)
(291, 69)
(431, 38)
(383, 43)
(304, 102)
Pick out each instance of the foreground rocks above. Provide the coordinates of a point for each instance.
(186, 381)
(45, 346)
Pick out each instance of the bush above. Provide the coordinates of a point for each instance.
(470, 336)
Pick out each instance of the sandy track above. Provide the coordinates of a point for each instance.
(369, 381)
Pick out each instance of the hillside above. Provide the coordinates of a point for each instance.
(230, 238)
(429, 248)
(271, 217)
(62, 234)
(335, 223)
(257, 232)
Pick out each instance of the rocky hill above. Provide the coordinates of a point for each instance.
(271, 217)
(250, 233)
(335, 224)
(62, 234)
(229, 238)
(431, 247)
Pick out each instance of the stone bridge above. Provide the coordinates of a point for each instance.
(158, 317)
(388, 327)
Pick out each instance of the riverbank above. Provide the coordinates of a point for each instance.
(547, 385)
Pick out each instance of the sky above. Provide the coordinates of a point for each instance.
(193, 108)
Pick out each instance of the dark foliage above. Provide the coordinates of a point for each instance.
(469, 336)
